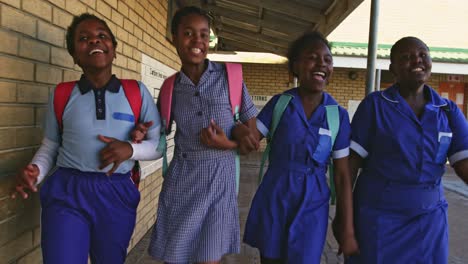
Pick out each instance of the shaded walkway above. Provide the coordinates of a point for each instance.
(248, 184)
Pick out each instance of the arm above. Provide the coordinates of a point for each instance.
(213, 136)
(247, 136)
(461, 169)
(30, 176)
(117, 151)
(344, 232)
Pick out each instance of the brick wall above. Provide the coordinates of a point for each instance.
(271, 79)
(33, 59)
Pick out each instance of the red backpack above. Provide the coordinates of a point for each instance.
(132, 92)
(234, 74)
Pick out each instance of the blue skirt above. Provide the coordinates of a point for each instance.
(288, 217)
(400, 224)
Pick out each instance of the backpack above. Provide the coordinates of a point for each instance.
(132, 92)
(333, 120)
(234, 74)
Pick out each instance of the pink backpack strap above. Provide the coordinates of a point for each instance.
(165, 100)
(133, 94)
(61, 95)
(234, 74)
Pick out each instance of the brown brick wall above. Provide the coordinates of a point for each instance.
(271, 79)
(34, 58)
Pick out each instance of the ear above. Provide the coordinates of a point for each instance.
(294, 69)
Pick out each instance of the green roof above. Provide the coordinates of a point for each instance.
(383, 52)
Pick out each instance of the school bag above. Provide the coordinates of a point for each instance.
(132, 92)
(234, 74)
(333, 120)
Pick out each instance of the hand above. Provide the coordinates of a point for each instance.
(214, 137)
(245, 138)
(336, 229)
(26, 179)
(348, 246)
(139, 132)
(115, 152)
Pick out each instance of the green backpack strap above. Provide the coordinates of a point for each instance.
(278, 111)
(333, 120)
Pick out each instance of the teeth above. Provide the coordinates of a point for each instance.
(417, 70)
(195, 50)
(95, 51)
(320, 73)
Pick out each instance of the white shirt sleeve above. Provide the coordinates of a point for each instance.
(147, 149)
(45, 157)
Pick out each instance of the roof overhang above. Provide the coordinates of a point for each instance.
(270, 25)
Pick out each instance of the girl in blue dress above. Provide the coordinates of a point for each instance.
(401, 138)
(288, 218)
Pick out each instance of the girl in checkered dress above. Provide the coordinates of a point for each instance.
(197, 218)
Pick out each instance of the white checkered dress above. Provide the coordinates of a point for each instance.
(197, 215)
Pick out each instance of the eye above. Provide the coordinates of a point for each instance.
(188, 33)
(102, 36)
(204, 36)
(405, 57)
(82, 38)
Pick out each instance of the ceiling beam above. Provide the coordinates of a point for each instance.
(253, 36)
(296, 10)
(253, 43)
(270, 24)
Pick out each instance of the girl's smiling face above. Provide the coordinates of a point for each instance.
(314, 66)
(93, 47)
(192, 39)
(411, 63)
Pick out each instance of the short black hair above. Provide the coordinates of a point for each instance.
(74, 24)
(300, 44)
(400, 43)
(185, 11)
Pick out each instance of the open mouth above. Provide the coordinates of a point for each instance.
(418, 69)
(196, 51)
(320, 74)
(96, 51)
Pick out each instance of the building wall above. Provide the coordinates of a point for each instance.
(33, 59)
(271, 79)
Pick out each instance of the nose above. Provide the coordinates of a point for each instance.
(93, 40)
(416, 58)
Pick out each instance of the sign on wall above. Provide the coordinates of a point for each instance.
(153, 73)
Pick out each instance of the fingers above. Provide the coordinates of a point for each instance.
(139, 132)
(19, 190)
(106, 139)
(113, 169)
(148, 124)
(137, 136)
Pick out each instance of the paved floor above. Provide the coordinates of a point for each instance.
(458, 213)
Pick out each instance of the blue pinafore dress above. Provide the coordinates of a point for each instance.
(289, 214)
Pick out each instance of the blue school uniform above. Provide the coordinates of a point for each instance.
(84, 211)
(289, 214)
(400, 208)
(197, 218)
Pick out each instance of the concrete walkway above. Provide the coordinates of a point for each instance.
(455, 190)
(248, 255)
